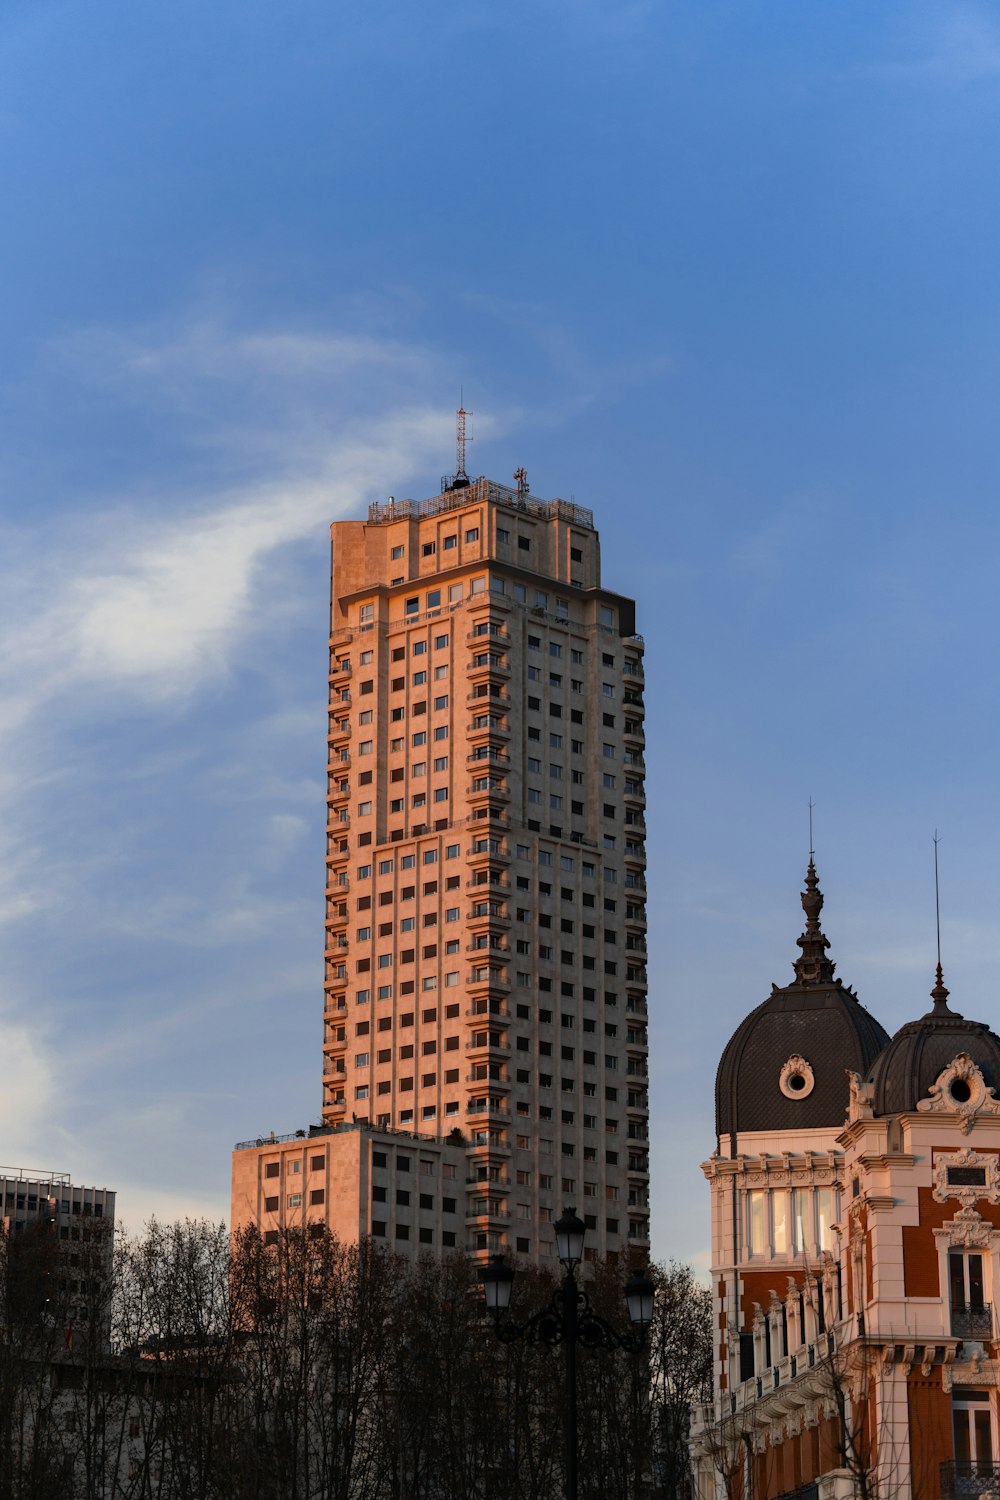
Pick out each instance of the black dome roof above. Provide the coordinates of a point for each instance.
(817, 1018)
(920, 1051)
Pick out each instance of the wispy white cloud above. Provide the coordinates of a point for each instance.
(28, 1094)
(153, 600)
(142, 611)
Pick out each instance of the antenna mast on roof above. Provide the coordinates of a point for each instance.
(460, 479)
(460, 417)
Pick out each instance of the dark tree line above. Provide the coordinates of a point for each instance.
(178, 1365)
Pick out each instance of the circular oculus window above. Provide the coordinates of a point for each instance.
(796, 1079)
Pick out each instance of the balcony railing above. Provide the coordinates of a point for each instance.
(958, 1479)
(972, 1322)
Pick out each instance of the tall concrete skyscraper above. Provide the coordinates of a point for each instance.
(485, 1014)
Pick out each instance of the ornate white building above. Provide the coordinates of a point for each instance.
(855, 1243)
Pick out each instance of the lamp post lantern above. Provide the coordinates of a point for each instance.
(568, 1319)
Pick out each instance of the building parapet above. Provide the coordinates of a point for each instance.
(479, 491)
(453, 1137)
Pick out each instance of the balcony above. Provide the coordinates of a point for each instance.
(974, 1479)
(494, 1044)
(494, 666)
(485, 788)
(495, 634)
(494, 728)
(492, 979)
(972, 1322)
(492, 702)
(493, 916)
(486, 760)
(485, 1211)
(337, 792)
(340, 671)
(338, 733)
(493, 1084)
(495, 852)
(495, 1010)
(487, 815)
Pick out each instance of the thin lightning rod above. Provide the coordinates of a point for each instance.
(811, 849)
(937, 898)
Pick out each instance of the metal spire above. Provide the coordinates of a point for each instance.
(813, 967)
(938, 994)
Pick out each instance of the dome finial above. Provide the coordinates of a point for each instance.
(813, 967)
(940, 995)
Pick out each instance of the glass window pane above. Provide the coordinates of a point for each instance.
(824, 1215)
(758, 1244)
(800, 1214)
(956, 1276)
(984, 1437)
(963, 1445)
(779, 1208)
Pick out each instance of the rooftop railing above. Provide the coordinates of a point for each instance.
(478, 492)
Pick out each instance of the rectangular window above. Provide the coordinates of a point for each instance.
(973, 1433)
(756, 1224)
(779, 1211)
(802, 1238)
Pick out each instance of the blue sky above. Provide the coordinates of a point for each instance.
(726, 272)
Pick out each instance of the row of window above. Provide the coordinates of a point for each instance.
(293, 1165)
(790, 1221)
(416, 605)
(294, 1200)
(429, 548)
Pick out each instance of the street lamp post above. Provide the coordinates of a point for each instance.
(568, 1319)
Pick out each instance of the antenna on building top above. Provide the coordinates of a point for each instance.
(460, 479)
(460, 440)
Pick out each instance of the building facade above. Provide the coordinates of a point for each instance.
(59, 1247)
(486, 930)
(855, 1249)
